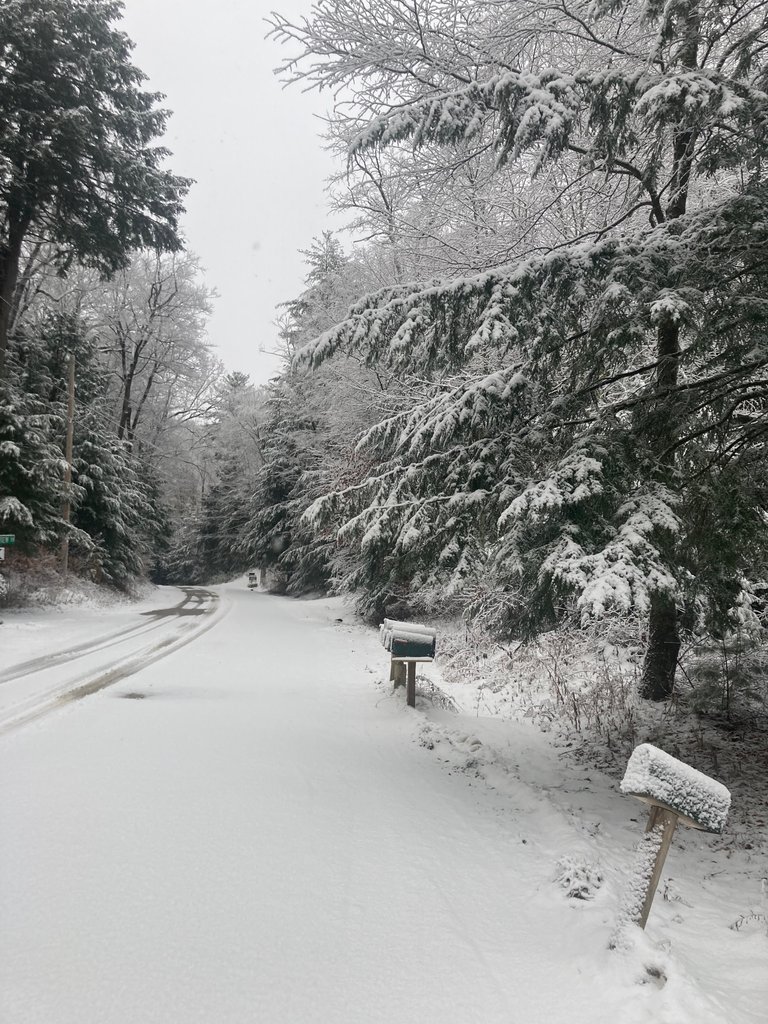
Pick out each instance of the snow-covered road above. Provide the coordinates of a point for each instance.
(246, 832)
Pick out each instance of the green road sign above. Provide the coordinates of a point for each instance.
(7, 538)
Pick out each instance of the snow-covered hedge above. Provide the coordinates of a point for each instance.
(654, 773)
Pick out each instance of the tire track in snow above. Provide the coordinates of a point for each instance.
(46, 661)
(42, 703)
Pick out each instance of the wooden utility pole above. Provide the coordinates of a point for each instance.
(66, 510)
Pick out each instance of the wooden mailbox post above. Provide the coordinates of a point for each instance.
(408, 644)
(675, 793)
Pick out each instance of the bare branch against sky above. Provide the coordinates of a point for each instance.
(255, 151)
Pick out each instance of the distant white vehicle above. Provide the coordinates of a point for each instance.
(253, 579)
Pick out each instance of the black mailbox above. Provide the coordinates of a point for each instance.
(412, 646)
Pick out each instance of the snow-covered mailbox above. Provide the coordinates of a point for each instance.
(675, 792)
(407, 643)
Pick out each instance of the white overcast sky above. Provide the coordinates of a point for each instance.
(255, 151)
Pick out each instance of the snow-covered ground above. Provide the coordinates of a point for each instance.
(255, 828)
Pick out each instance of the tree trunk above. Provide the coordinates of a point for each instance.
(661, 653)
(126, 412)
(10, 256)
(660, 662)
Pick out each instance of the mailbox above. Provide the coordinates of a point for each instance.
(412, 646)
(407, 643)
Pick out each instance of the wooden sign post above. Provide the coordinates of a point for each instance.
(676, 793)
(658, 837)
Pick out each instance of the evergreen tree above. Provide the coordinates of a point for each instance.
(31, 485)
(207, 541)
(273, 535)
(80, 166)
(115, 509)
(115, 504)
(310, 427)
